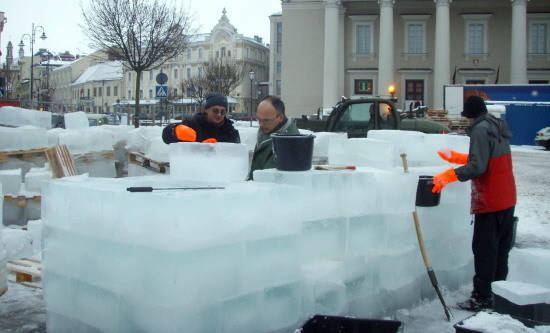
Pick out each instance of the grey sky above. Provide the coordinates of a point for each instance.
(60, 20)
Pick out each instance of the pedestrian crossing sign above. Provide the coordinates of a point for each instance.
(162, 92)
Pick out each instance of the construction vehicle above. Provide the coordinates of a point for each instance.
(358, 116)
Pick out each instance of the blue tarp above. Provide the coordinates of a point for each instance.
(525, 121)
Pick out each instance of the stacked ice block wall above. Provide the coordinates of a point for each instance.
(3, 253)
(256, 256)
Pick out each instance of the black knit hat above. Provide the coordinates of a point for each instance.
(215, 98)
(473, 107)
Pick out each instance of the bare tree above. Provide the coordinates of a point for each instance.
(195, 87)
(144, 34)
(223, 74)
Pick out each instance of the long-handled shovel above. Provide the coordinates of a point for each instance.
(429, 268)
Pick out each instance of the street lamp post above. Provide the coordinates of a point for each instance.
(31, 38)
(251, 76)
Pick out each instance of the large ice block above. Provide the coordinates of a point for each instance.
(76, 120)
(11, 181)
(22, 138)
(361, 152)
(209, 161)
(15, 116)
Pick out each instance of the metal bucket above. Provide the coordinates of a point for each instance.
(424, 195)
(293, 152)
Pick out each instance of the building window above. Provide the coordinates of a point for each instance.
(279, 37)
(415, 38)
(278, 67)
(414, 90)
(222, 52)
(200, 71)
(115, 91)
(363, 87)
(100, 91)
(175, 92)
(175, 73)
(188, 73)
(150, 93)
(475, 81)
(538, 38)
(150, 75)
(188, 53)
(108, 91)
(200, 53)
(140, 94)
(129, 94)
(130, 76)
(229, 53)
(278, 90)
(363, 37)
(95, 92)
(475, 38)
(362, 34)
(476, 33)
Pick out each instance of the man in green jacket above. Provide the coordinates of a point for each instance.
(271, 117)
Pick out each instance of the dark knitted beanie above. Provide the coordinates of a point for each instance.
(473, 107)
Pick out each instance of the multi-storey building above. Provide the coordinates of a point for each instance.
(63, 77)
(333, 48)
(222, 41)
(99, 88)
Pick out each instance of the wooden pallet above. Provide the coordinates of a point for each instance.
(25, 269)
(25, 155)
(22, 200)
(3, 291)
(142, 160)
(61, 162)
(94, 156)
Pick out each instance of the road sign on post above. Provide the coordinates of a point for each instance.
(161, 92)
(161, 78)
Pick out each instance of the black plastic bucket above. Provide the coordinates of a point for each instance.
(424, 195)
(337, 324)
(293, 152)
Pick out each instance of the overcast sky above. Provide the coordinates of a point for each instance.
(61, 18)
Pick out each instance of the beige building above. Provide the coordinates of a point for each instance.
(64, 76)
(358, 48)
(222, 41)
(99, 88)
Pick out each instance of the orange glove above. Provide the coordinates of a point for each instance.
(444, 178)
(211, 140)
(185, 133)
(456, 157)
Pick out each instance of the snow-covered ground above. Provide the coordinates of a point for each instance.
(22, 308)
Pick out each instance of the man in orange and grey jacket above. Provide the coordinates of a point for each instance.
(489, 166)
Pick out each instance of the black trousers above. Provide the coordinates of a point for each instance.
(491, 243)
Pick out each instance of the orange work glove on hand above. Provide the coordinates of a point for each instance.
(211, 140)
(444, 178)
(185, 133)
(456, 157)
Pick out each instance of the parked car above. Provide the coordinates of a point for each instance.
(95, 119)
(543, 138)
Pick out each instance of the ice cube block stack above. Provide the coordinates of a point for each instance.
(256, 256)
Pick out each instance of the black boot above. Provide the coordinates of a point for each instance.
(476, 304)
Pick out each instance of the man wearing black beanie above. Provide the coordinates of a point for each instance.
(489, 166)
(211, 125)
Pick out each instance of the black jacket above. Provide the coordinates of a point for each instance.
(205, 130)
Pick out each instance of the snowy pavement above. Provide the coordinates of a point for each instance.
(22, 309)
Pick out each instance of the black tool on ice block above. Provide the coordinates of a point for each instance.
(151, 189)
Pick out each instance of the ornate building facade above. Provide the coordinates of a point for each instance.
(222, 41)
(358, 48)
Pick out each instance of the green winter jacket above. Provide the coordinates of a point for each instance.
(263, 152)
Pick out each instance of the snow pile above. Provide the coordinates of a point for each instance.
(252, 257)
(494, 322)
(15, 117)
